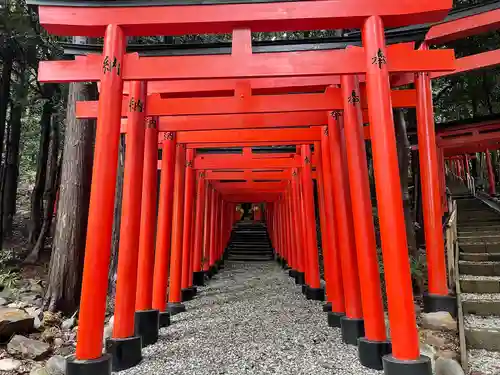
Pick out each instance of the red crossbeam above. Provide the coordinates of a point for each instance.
(237, 162)
(463, 27)
(198, 19)
(483, 60)
(247, 175)
(297, 135)
(330, 100)
(306, 63)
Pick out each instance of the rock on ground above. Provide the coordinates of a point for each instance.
(446, 366)
(24, 347)
(250, 319)
(56, 365)
(9, 364)
(13, 321)
(439, 320)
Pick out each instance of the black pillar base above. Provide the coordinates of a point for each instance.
(316, 294)
(278, 259)
(371, 352)
(334, 319)
(176, 308)
(186, 294)
(393, 366)
(327, 307)
(212, 271)
(220, 264)
(101, 366)
(304, 289)
(435, 303)
(292, 273)
(147, 325)
(194, 290)
(125, 353)
(199, 278)
(300, 278)
(164, 319)
(352, 330)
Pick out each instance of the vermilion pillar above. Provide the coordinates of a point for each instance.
(175, 305)
(206, 231)
(491, 174)
(100, 221)
(123, 330)
(404, 335)
(198, 272)
(314, 289)
(187, 291)
(374, 344)
(303, 223)
(331, 254)
(213, 214)
(164, 228)
(297, 214)
(438, 298)
(146, 318)
(352, 322)
(326, 240)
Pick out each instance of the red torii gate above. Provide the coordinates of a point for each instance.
(373, 60)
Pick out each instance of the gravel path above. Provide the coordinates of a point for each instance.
(250, 319)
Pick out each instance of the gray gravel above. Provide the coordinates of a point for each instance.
(480, 296)
(250, 319)
(476, 321)
(488, 363)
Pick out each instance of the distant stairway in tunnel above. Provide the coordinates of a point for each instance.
(479, 266)
(249, 243)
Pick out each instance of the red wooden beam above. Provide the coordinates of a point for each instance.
(241, 144)
(297, 135)
(248, 175)
(330, 100)
(259, 186)
(482, 60)
(226, 87)
(251, 198)
(470, 149)
(306, 63)
(239, 163)
(198, 19)
(463, 27)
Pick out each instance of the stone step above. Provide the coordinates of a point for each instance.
(482, 332)
(250, 252)
(479, 247)
(479, 284)
(472, 225)
(249, 259)
(479, 268)
(481, 304)
(480, 257)
(480, 236)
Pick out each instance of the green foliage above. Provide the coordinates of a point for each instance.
(9, 279)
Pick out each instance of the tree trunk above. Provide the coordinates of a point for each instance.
(5, 91)
(49, 193)
(41, 173)
(66, 262)
(11, 168)
(115, 239)
(403, 147)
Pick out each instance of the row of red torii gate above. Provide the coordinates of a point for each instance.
(317, 101)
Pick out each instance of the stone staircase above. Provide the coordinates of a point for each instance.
(479, 266)
(250, 243)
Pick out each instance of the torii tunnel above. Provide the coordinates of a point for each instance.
(323, 103)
